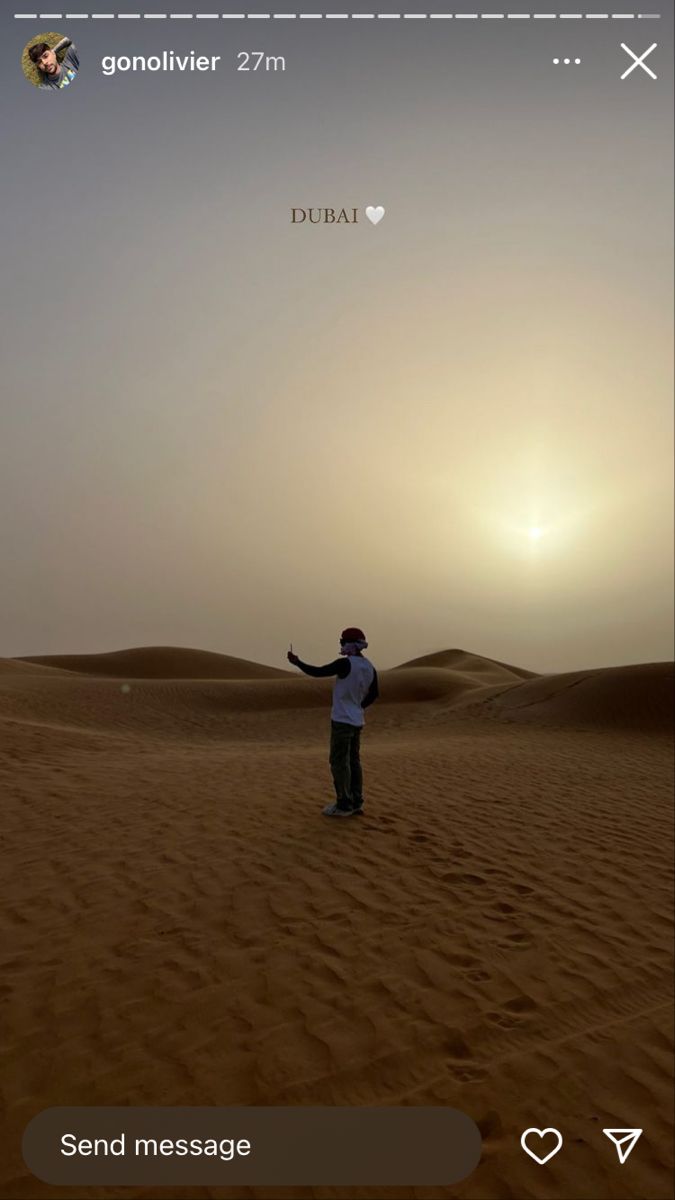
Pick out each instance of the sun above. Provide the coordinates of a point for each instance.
(535, 532)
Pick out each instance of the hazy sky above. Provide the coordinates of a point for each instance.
(221, 430)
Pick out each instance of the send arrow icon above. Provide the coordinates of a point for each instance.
(624, 1140)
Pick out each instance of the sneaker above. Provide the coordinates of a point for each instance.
(334, 810)
(357, 809)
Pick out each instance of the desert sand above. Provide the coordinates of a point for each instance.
(181, 926)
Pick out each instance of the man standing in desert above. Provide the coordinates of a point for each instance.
(355, 688)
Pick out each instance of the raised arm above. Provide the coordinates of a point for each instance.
(341, 667)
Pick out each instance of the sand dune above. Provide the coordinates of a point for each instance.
(16, 666)
(163, 695)
(203, 709)
(639, 697)
(416, 701)
(180, 926)
(166, 696)
(471, 665)
(159, 662)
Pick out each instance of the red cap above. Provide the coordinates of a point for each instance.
(352, 635)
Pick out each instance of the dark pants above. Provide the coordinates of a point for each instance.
(345, 763)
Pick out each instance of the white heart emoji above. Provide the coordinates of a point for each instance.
(541, 1133)
(374, 214)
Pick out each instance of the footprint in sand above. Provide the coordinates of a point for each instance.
(462, 960)
(469, 1074)
(456, 1045)
(386, 824)
(503, 1020)
(520, 1004)
(515, 941)
(512, 1012)
(478, 976)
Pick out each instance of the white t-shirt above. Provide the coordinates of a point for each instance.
(350, 691)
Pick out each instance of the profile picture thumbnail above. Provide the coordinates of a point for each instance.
(50, 61)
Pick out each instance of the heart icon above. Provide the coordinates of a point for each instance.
(374, 214)
(533, 1134)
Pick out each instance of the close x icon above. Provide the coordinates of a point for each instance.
(639, 60)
